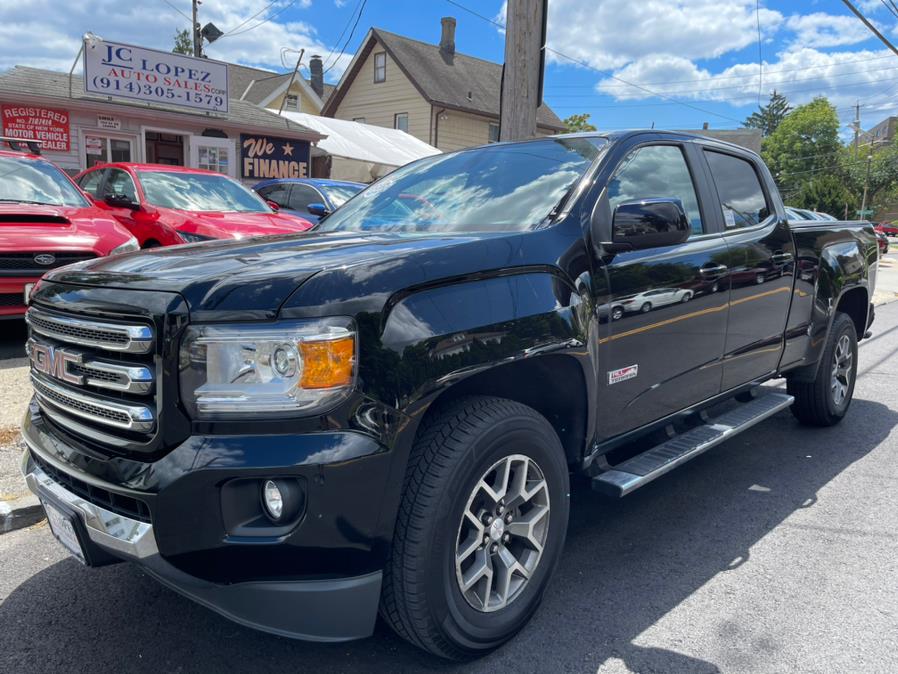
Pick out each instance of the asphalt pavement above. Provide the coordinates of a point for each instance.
(775, 552)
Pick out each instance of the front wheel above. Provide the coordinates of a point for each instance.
(824, 401)
(646, 308)
(480, 528)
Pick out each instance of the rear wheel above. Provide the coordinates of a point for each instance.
(617, 313)
(824, 401)
(480, 528)
(645, 308)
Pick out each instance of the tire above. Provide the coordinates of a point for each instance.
(686, 297)
(454, 452)
(759, 279)
(819, 403)
(617, 313)
(646, 308)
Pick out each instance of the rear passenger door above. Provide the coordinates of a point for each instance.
(663, 353)
(762, 266)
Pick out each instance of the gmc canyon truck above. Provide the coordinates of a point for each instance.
(383, 415)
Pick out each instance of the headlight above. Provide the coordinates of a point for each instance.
(194, 238)
(128, 247)
(275, 369)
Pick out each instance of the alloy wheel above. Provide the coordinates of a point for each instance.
(843, 359)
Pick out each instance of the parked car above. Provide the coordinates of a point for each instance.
(310, 198)
(887, 228)
(382, 416)
(883, 241)
(659, 297)
(166, 205)
(45, 223)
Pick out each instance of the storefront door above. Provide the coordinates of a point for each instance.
(100, 148)
(213, 154)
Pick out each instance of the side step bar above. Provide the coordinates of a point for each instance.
(655, 462)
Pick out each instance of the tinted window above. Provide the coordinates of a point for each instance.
(199, 192)
(302, 196)
(37, 181)
(740, 192)
(119, 183)
(656, 172)
(340, 194)
(279, 194)
(492, 188)
(90, 183)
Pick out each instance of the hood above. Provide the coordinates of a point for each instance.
(234, 225)
(252, 279)
(34, 227)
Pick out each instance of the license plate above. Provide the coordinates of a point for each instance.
(64, 530)
(28, 288)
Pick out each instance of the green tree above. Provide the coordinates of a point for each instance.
(576, 123)
(827, 193)
(183, 43)
(768, 117)
(804, 145)
(882, 180)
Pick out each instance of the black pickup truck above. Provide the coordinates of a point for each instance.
(385, 414)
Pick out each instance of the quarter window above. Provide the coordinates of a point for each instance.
(380, 66)
(741, 195)
(656, 172)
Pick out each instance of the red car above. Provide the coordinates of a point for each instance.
(887, 228)
(46, 222)
(165, 205)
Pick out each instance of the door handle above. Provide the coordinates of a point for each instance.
(781, 258)
(715, 269)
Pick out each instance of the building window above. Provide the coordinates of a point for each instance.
(360, 120)
(292, 102)
(99, 149)
(494, 133)
(380, 66)
(400, 121)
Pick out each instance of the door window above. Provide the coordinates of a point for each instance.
(90, 182)
(656, 172)
(278, 193)
(303, 195)
(119, 183)
(741, 195)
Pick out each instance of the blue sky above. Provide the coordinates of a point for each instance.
(701, 56)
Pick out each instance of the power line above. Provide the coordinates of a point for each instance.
(348, 39)
(342, 32)
(873, 29)
(270, 17)
(890, 6)
(178, 11)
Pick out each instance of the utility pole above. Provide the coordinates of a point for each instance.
(857, 126)
(195, 31)
(522, 72)
(866, 183)
(292, 78)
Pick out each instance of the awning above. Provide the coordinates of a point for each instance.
(364, 142)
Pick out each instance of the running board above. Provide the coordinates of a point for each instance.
(655, 462)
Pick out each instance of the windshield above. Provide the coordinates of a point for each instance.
(340, 194)
(501, 187)
(199, 192)
(35, 181)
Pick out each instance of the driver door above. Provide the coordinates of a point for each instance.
(664, 353)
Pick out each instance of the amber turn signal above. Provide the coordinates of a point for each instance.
(327, 364)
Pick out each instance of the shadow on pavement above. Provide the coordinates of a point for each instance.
(627, 564)
(13, 334)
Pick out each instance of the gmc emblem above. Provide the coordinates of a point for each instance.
(54, 362)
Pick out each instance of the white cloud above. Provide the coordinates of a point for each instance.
(821, 30)
(47, 33)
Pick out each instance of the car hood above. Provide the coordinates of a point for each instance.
(253, 278)
(233, 225)
(34, 227)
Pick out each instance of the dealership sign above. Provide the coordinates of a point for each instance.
(113, 69)
(50, 126)
(270, 157)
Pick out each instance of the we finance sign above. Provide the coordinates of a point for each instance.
(271, 157)
(113, 69)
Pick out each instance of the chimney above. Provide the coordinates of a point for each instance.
(316, 68)
(447, 39)
(705, 126)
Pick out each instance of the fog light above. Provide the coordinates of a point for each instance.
(273, 500)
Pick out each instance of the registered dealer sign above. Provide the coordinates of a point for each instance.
(113, 69)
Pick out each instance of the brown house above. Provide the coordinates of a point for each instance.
(446, 99)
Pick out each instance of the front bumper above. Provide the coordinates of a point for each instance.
(249, 584)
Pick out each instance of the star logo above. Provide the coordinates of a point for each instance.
(288, 149)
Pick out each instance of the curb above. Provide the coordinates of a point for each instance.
(20, 513)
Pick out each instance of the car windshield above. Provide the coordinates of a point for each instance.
(35, 181)
(340, 194)
(199, 192)
(500, 187)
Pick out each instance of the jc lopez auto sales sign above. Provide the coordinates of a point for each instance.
(113, 69)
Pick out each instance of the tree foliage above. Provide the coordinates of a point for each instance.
(768, 117)
(183, 43)
(576, 123)
(826, 193)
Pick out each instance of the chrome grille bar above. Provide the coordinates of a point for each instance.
(139, 418)
(97, 334)
(78, 369)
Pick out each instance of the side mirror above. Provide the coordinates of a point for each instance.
(121, 201)
(273, 205)
(649, 223)
(318, 209)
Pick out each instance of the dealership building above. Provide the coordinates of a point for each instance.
(79, 128)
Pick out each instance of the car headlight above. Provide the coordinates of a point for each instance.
(194, 238)
(274, 369)
(128, 247)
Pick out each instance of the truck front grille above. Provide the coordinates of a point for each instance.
(96, 334)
